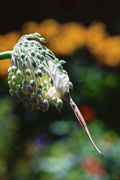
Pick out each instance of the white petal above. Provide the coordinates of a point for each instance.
(60, 80)
(53, 93)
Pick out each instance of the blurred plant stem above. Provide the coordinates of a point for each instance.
(5, 55)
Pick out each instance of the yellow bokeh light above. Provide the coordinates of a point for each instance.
(64, 39)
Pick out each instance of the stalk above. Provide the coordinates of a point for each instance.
(5, 55)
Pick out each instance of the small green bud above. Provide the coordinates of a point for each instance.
(10, 74)
(18, 72)
(45, 88)
(32, 53)
(43, 52)
(41, 67)
(11, 85)
(59, 67)
(44, 70)
(54, 100)
(45, 83)
(24, 82)
(39, 56)
(62, 62)
(22, 55)
(39, 72)
(24, 65)
(65, 72)
(17, 86)
(25, 41)
(37, 34)
(9, 78)
(26, 58)
(34, 64)
(44, 47)
(9, 69)
(26, 45)
(31, 36)
(39, 91)
(40, 85)
(18, 59)
(32, 83)
(11, 91)
(36, 74)
(56, 60)
(9, 82)
(42, 40)
(16, 55)
(28, 72)
(13, 78)
(71, 85)
(14, 68)
(59, 104)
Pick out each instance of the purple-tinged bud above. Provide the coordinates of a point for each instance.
(39, 72)
(39, 91)
(32, 83)
(24, 82)
(29, 89)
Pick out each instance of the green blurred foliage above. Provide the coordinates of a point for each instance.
(8, 128)
(52, 145)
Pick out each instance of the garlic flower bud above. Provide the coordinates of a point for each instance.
(34, 74)
(37, 77)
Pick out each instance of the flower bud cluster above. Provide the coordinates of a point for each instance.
(29, 74)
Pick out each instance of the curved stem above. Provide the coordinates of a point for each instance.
(5, 55)
(82, 121)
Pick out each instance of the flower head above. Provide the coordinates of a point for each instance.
(36, 76)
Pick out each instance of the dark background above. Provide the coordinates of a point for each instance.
(27, 137)
(14, 13)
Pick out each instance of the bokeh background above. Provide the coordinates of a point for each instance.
(52, 145)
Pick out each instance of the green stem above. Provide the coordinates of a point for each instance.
(5, 55)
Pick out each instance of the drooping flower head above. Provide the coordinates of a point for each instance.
(37, 77)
